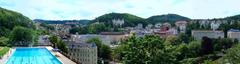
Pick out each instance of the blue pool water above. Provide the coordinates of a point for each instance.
(32, 56)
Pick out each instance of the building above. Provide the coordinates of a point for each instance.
(214, 25)
(43, 40)
(158, 25)
(149, 26)
(83, 53)
(118, 22)
(139, 26)
(164, 33)
(181, 25)
(164, 25)
(84, 38)
(107, 38)
(114, 37)
(198, 34)
(233, 34)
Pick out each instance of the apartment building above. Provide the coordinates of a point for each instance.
(198, 34)
(83, 53)
(233, 34)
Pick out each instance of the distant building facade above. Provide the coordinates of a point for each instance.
(198, 34)
(83, 53)
(164, 33)
(214, 25)
(181, 25)
(158, 25)
(233, 34)
(107, 38)
(118, 22)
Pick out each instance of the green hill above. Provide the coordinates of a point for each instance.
(82, 22)
(9, 19)
(130, 20)
(172, 18)
(235, 17)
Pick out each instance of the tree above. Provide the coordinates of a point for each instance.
(118, 53)
(10, 19)
(97, 28)
(22, 36)
(62, 46)
(184, 38)
(104, 51)
(192, 26)
(79, 30)
(58, 43)
(75, 30)
(48, 27)
(3, 41)
(206, 46)
(235, 41)
(231, 57)
(194, 49)
(146, 50)
(222, 44)
(225, 27)
(54, 40)
(172, 40)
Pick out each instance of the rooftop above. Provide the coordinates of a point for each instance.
(233, 30)
(112, 33)
(207, 31)
(73, 44)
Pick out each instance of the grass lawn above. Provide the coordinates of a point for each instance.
(3, 50)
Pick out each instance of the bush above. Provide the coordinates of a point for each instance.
(3, 41)
(3, 51)
(232, 56)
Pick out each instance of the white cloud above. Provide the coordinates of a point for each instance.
(90, 9)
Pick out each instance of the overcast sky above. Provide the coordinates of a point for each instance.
(90, 9)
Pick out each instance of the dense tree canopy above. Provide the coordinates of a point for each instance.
(152, 49)
(147, 50)
(10, 19)
(171, 18)
(231, 57)
(22, 36)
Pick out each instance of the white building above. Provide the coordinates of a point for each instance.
(139, 26)
(214, 25)
(198, 34)
(173, 31)
(181, 25)
(158, 25)
(233, 34)
(149, 26)
(118, 22)
(83, 53)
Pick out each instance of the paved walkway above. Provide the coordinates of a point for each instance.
(61, 57)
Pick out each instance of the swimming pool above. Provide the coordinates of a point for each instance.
(32, 56)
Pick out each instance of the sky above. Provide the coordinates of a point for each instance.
(90, 9)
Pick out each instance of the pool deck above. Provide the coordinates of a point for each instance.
(63, 59)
